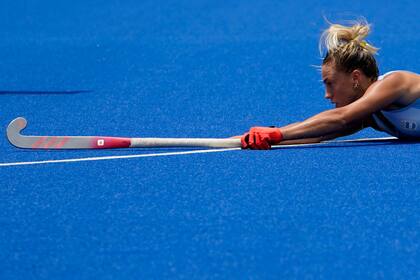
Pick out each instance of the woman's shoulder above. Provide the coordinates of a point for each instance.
(399, 74)
(401, 80)
(405, 82)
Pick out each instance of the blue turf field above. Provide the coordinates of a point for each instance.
(197, 69)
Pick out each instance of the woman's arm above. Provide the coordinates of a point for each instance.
(337, 121)
(399, 88)
(351, 130)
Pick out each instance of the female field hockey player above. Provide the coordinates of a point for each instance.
(362, 98)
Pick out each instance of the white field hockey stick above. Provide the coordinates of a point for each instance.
(102, 142)
(99, 142)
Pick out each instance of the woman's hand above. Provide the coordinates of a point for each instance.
(261, 138)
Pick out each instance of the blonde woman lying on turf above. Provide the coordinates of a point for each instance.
(389, 103)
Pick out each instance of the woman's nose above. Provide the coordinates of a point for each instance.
(328, 95)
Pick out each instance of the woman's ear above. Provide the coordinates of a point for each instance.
(356, 76)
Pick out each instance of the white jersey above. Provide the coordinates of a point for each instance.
(401, 123)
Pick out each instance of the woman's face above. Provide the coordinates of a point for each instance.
(339, 86)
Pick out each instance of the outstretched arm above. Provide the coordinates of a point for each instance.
(341, 120)
(332, 123)
(351, 130)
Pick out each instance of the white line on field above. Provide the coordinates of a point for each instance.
(115, 157)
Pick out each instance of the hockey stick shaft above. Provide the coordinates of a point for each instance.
(100, 142)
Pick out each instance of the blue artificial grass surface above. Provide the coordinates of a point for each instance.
(197, 69)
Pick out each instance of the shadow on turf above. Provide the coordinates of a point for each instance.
(42, 92)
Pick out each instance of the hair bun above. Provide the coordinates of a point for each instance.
(338, 36)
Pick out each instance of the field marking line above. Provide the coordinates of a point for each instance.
(116, 157)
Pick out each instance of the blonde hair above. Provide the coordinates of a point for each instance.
(347, 48)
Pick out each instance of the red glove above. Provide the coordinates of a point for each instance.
(261, 138)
